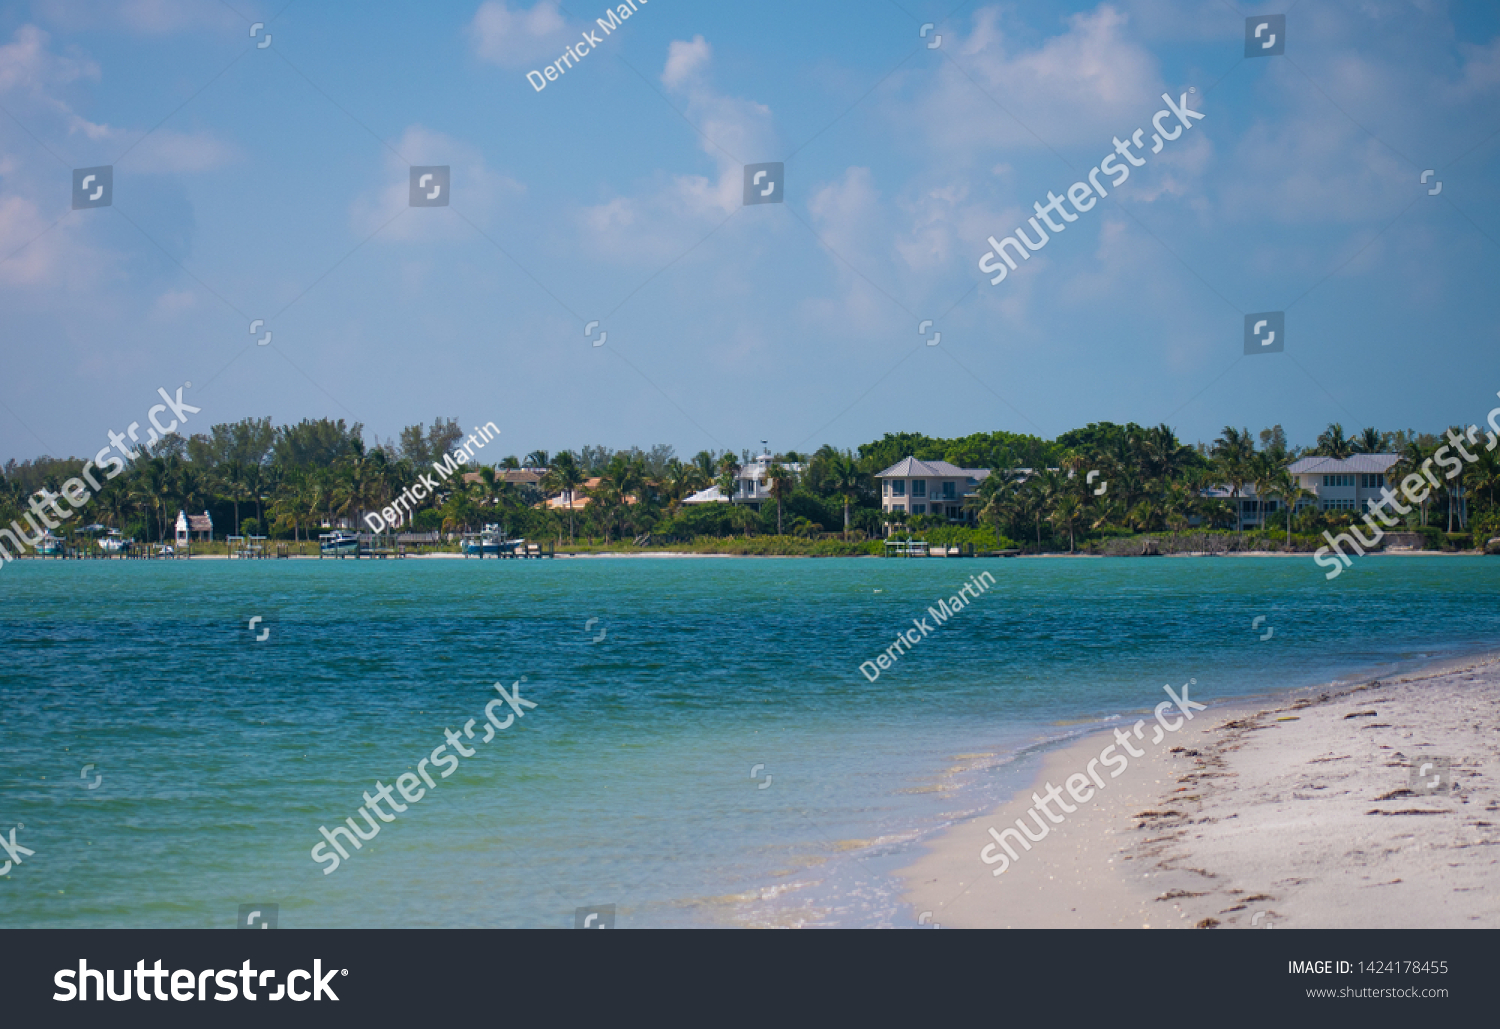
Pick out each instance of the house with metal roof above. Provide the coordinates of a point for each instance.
(929, 487)
(1344, 484)
(748, 488)
(1337, 484)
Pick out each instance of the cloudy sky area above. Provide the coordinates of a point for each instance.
(271, 183)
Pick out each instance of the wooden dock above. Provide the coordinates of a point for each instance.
(921, 548)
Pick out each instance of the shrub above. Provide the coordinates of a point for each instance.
(958, 535)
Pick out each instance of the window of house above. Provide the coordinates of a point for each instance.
(919, 487)
(1371, 481)
(919, 509)
(948, 491)
(898, 487)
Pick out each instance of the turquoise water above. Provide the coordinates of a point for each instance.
(631, 781)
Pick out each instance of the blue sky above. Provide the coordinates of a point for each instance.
(272, 183)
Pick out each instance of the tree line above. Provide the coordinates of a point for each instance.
(292, 481)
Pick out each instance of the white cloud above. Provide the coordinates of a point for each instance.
(22, 223)
(166, 151)
(1481, 70)
(27, 62)
(477, 190)
(1078, 87)
(672, 214)
(139, 17)
(172, 303)
(34, 73)
(517, 38)
(686, 61)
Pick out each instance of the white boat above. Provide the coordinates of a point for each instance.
(338, 543)
(113, 543)
(492, 540)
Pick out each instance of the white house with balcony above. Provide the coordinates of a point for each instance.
(1347, 484)
(1337, 484)
(748, 489)
(929, 487)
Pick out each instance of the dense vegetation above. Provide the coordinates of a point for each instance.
(292, 481)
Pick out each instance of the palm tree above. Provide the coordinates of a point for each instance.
(292, 500)
(115, 502)
(1413, 456)
(780, 481)
(621, 481)
(254, 482)
(564, 476)
(1164, 457)
(1333, 443)
(1265, 472)
(997, 497)
(681, 480)
(148, 490)
(1180, 505)
(1454, 487)
(705, 462)
(1484, 473)
(1106, 513)
(744, 517)
(1369, 441)
(805, 527)
(729, 473)
(1233, 451)
(1143, 514)
(1288, 489)
(231, 478)
(1042, 489)
(844, 479)
(536, 459)
(1067, 512)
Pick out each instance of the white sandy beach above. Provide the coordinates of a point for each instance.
(1296, 813)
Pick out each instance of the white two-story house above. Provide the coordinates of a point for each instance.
(1349, 484)
(748, 489)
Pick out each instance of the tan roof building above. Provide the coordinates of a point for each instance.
(519, 477)
(929, 487)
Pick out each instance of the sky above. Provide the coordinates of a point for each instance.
(270, 181)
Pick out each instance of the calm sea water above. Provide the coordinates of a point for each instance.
(631, 781)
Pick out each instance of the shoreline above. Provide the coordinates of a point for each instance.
(695, 553)
(1291, 811)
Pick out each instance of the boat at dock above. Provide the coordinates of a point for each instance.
(338, 543)
(492, 542)
(114, 543)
